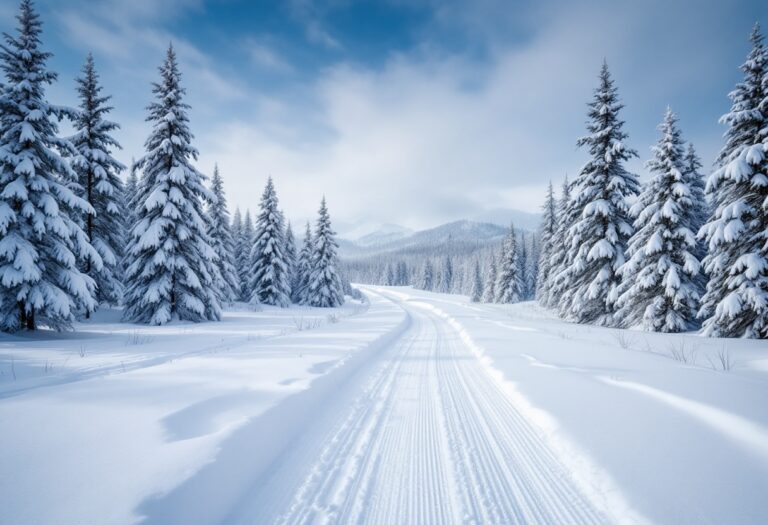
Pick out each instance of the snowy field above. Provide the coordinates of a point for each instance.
(412, 408)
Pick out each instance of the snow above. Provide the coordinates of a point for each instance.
(135, 410)
(654, 426)
(414, 407)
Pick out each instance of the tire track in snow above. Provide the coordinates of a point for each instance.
(433, 439)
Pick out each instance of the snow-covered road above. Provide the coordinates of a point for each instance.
(420, 433)
(431, 438)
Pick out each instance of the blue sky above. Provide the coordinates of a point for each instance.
(411, 112)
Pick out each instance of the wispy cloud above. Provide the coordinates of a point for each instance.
(311, 14)
(265, 56)
(434, 131)
(432, 137)
(127, 34)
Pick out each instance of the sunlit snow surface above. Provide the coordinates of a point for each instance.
(417, 408)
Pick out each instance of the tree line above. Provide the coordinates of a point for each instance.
(675, 253)
(459, 267)
(73, 236)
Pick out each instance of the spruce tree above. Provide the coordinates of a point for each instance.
(269, 267)
(172, 264)
(659, 288)
(130, 196)
(457, 280)
(304, 268)
(548, 238)
(489, 288)
(291, 259)
(41, 240)
(446, 276)
(243, 257)
(702, 210)
(389, 275)
(324, 289)
(598, 238)
(401, 275)
(557, 282)
(736, 301)
(476, 294)
(99, 177)
(346, 285)
(227, 284)
(236, 228)
(508, 282)
(427, 276)
(522, 265)
(532, 265)
(695, 181)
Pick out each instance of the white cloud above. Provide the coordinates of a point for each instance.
(428, 138)
(423, 140)
(264, 56)
(127, 34)
(310, 13)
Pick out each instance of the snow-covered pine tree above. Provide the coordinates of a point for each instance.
(304, 268)
(269, 268)
(736, 301)
(427, 276)
(389, 275)
(548, 239)
(659, 287)
(172, 264)
(130, 193)
(557, 281)
(508, 282)
(236, 228)
(324, 288)
(522, 265)
(702, 209)
(598, 238)
(41, 240)
(489, 288)
(402, 274)
(695, 180)
(346, 285)
(243, 257)
(99, 177)
(457, 281)
(227, 284)
(476, 294)
(446, 276)
(532, 265)
(465, 281)
(291, 259)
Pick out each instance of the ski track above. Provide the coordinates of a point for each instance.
(431, 438)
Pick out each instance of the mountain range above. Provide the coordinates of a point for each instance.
(369, 240)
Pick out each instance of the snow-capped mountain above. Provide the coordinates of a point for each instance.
(395, 240)
(371, 234)
(377, 237)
